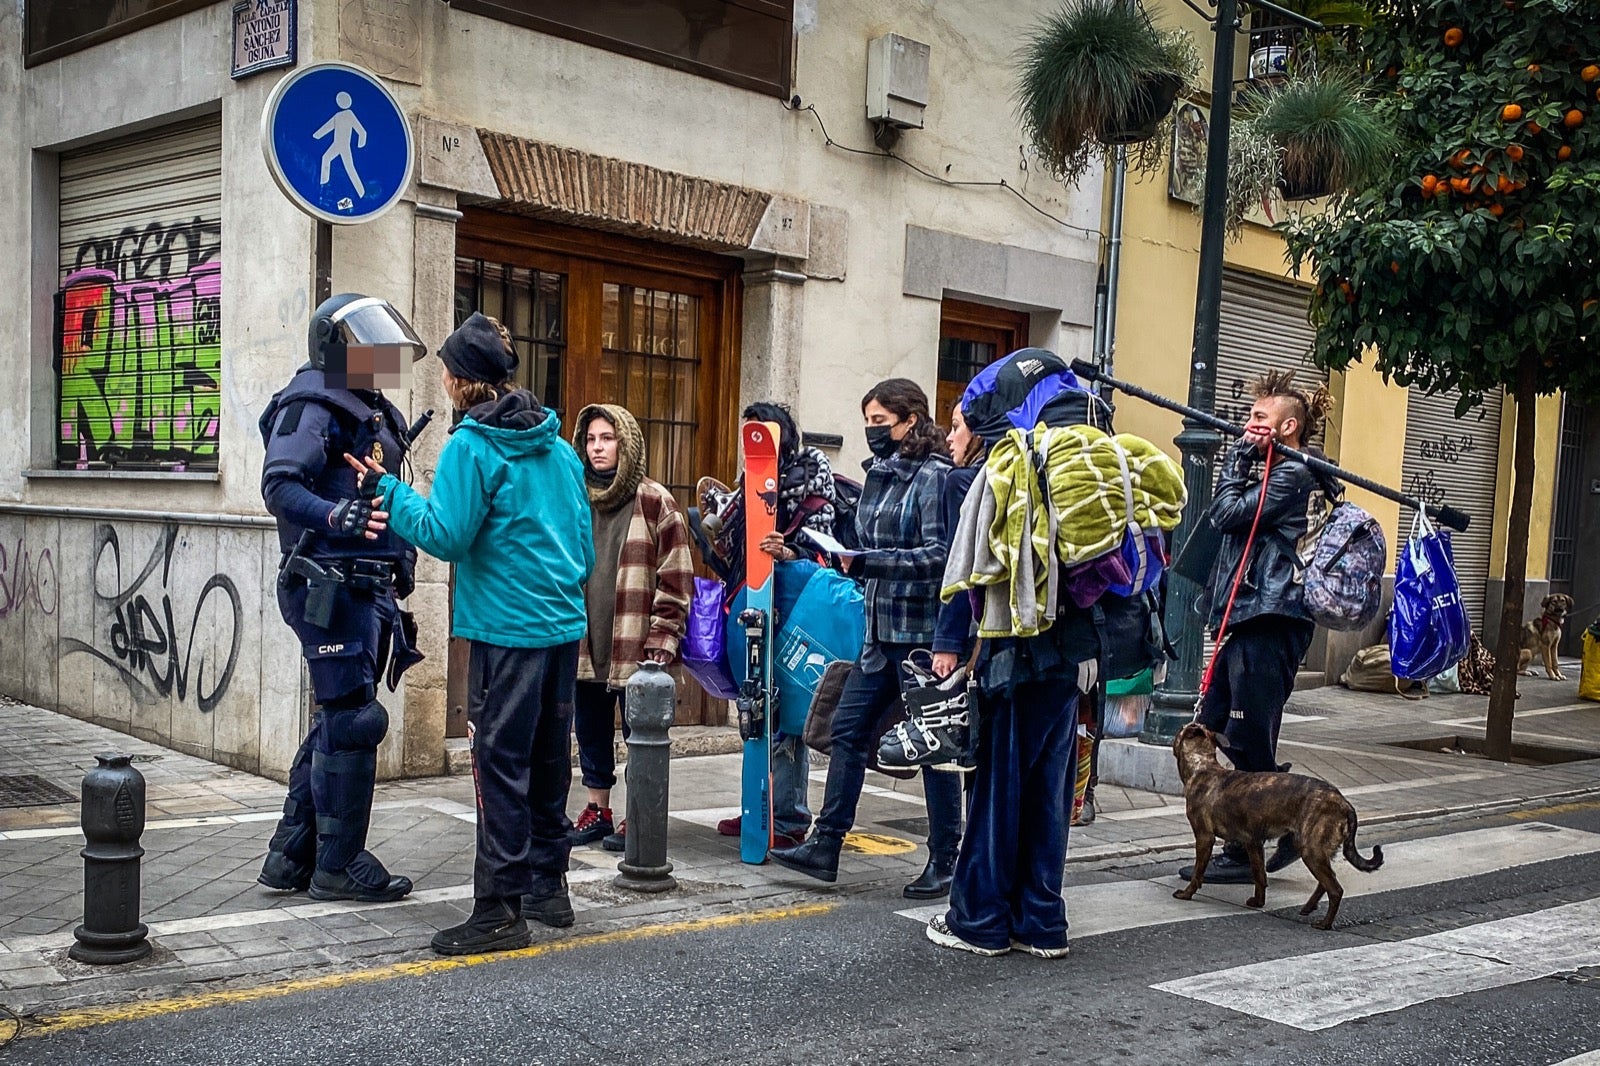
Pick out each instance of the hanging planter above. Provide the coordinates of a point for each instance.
(1151, 105)
(1098, 73)
(1327, 135)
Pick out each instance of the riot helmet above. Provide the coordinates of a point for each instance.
(362, 342)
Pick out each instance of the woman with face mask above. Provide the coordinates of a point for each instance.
(901, 525)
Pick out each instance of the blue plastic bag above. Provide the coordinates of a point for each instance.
(822, 616)
(1429, 630)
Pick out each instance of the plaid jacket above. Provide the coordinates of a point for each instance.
(654, 578)
(900, 520)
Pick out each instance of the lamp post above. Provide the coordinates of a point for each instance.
(1174, 700)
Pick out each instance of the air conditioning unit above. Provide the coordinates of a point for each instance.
(897, 81)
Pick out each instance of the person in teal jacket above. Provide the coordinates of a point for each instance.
(509, 508)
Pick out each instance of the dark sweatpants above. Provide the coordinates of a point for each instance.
(1253, 679)
(1008, 877)
(519, 718)
(595, 723)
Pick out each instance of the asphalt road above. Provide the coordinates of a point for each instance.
(861, 985)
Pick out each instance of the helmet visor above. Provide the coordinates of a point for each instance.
(373, 323)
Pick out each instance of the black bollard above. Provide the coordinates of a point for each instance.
(649, 704)
(113, 820)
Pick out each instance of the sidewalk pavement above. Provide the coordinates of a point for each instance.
(207, 828)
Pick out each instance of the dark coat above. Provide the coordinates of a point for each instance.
(1296, 504)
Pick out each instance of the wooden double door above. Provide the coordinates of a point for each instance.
(601, 318)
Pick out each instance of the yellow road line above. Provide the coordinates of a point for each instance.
(1560, 808)
(877, 844)
(127, 1012)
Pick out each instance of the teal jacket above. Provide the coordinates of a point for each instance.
(510, 509)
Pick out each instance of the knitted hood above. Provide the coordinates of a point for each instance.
(630, 457)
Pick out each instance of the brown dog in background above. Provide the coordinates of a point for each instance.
(1249, 809)
(1542, 636)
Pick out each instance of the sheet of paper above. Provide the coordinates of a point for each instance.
(826, 543)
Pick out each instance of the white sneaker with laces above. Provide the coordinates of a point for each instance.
(1041, 953)
(939, 932)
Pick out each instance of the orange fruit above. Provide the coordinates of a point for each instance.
(1461, 184)
(1590, 72)
(1453, 36)
(1430, 184)
(1565, 153)
(1511, 113)
(1459, 160)
(1589, 304)
(1515, 153)
(1503, 184)
(1535, 129)
(1572, 119)
(1394, 266)
(1497, 210)
(1534, 68)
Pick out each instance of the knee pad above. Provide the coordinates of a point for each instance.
(360, 729)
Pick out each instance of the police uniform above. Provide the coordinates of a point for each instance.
(336, 590)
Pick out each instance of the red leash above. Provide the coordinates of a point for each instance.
(1238, 577)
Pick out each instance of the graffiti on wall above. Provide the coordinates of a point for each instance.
(27, 577)
(142, 641)
(138, 349)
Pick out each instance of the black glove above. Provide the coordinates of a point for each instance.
(350, 517)
(367, 483)
(1243, 455)
(405, 575)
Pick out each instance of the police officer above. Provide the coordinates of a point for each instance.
(342, 569)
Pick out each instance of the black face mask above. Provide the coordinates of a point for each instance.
(881, 440)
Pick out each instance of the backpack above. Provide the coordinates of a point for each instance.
(1343, 580)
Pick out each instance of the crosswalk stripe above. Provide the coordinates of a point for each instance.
(1111, 907)
(1588, 1058)
(1320, 991)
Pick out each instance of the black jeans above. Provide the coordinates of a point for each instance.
(1253, 679)
(855, 736)
(594, 721)
(519, 716)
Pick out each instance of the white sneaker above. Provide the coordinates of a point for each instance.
(939, 932)
(1041, 953)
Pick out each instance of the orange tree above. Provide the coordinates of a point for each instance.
(1473, 263)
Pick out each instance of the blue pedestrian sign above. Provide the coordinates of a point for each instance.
(337, 143)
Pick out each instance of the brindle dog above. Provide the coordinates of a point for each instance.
(1251, 808)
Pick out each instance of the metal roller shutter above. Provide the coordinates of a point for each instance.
(1263, 327)
(137, 313)
(1457, 462)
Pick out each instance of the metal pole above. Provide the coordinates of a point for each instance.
(1173, 704)
(112, 816)
(1443, 513)
(322, 261)
(651, 695)
(1119, 182)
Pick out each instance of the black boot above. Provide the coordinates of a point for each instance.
(495, 925)
(817, 857)
(935, 880)
(1232, 867)
(284, 874)
(363, 880)
(549, 905)
(1286, 855)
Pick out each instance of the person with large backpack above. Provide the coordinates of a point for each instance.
(341, 571)
(1269, 510)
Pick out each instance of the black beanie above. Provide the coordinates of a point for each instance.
(476, 352)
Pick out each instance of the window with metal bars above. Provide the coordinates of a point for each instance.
(1569, 498)
(649, 363)
(532, 304)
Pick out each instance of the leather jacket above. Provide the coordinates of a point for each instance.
(1296, 507)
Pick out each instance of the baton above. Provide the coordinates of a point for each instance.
(1446, 515)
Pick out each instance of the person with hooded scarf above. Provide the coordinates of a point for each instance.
(509, 508)
(637, 598)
